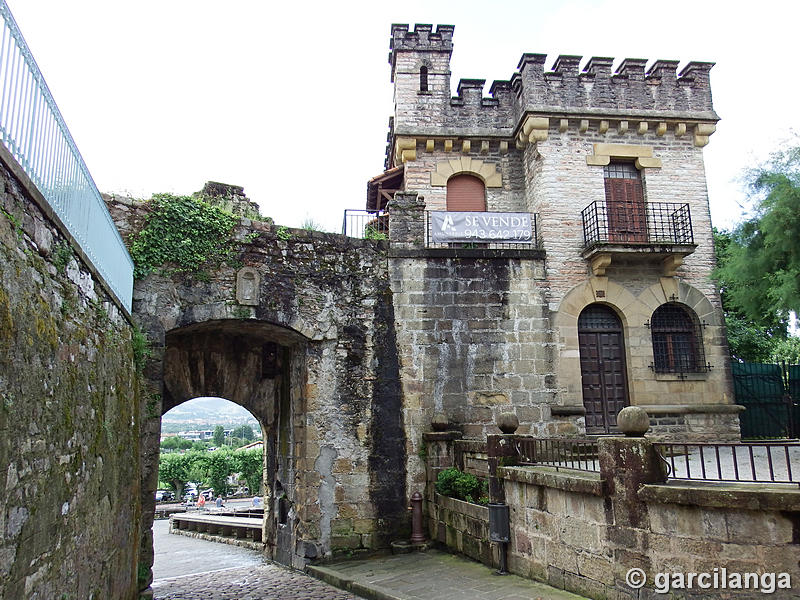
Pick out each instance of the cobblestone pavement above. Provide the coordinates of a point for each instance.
(191, 569)
(431, 575)
(259, 582)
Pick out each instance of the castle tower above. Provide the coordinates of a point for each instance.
(420, 61)
(609, 165)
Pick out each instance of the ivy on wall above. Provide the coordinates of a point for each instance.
(182, 234)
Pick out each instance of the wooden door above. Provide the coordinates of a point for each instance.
(625, 205)
(603, 378)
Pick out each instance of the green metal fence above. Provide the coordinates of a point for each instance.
(770, 394)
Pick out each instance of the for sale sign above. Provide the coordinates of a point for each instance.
(481, 227)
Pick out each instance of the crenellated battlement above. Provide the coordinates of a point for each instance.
(421, 39)
(631, 89)
(595, 95)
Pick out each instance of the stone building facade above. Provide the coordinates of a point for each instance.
(612, 304)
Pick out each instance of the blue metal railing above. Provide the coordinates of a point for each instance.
(34, 132)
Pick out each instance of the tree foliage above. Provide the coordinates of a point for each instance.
(175, 470)
(219, 435)
(760, 270)
(219, 465)
(758, 266)
(176, 443)
(243, 431)
(250, 466)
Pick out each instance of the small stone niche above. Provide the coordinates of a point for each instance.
(248, 283)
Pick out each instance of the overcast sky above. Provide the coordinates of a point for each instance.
(291, 100)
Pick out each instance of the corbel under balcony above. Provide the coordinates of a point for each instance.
(671, 258)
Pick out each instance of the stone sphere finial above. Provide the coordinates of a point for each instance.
(507, 422)
(440, 422)
(633, 421)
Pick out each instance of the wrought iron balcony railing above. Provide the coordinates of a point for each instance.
(733, 462)
(579, 454)
(637, 223)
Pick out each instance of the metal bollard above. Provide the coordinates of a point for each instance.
(500, 532)
(417, 535)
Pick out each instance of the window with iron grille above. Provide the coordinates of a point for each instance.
(677, 340)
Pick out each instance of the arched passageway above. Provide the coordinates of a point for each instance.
(259, 366)
(214, 443)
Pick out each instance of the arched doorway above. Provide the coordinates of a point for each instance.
(211, 444)
(603, 372)
(260, 367)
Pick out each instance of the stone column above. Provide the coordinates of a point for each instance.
(501, 452)
(440, 455)
(407, 221)
(626, 464)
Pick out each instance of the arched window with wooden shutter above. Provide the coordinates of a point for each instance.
(466, 193)
(625, 208)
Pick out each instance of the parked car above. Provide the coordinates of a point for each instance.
(190, 496)
(164, 496)
(208, 494)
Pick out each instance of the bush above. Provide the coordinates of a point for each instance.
(463, 486)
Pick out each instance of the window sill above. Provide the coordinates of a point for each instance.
(695, 376)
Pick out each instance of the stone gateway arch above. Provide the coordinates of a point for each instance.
(300, 333)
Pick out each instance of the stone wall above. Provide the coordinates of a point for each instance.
(583, 531)
(559, 529)
(475, 338)
(69, 418)
(299, 328)
(461, 527)
(506, 194)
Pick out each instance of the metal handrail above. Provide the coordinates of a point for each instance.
(732, 462)
(34, 132)
(579, 454)
(366, 224)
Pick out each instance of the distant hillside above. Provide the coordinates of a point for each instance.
(208, 410)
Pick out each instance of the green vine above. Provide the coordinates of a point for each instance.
(371, 233)
(182, 234)
(141, 347)
(283, 233)
(62, 254)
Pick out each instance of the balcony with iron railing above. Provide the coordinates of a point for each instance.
(488, 230)
(36, 139)
(464, 234)
(644, 230)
